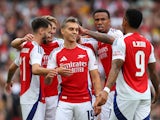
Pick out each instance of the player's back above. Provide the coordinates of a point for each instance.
(30, 83)
(25, 66)
(138, 51)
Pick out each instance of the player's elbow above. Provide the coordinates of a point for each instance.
(35, 69)
(12, 44)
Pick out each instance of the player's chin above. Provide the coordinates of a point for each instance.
(49, 39)
(74, 38)
(100, 30)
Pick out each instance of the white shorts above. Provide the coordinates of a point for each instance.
(93, 101)
(51, 105)
(107, 107)
(130, 109)
(78, 111)
(33, 111)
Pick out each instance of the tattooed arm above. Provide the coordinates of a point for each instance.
(103, 37)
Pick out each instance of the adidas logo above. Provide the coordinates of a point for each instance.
(81, 56)
(63, 59)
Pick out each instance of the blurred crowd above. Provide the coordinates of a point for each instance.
(15, 18)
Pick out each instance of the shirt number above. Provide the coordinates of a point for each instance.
(140, 63)
(23, 63)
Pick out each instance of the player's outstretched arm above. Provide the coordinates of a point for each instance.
(103, 37)
(154, 79)
(38, 70)
(17, 43)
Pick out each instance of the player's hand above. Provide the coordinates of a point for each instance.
(49, 77)
(28, 37)
(101, 99)
(8, 87)
(82, 31)
(64, 71)
(156, 96)
(97, 110)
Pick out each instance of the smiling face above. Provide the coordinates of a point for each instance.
(54, 23)
(70, 31)
(47, 34)
(53, 32)
(101, 22)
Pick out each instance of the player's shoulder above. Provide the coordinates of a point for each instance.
(37, 46)
(82, 46)
(58, 40)
(88, 40)
(116, 33)
(88, 49)
(32, 46)
(58, 49)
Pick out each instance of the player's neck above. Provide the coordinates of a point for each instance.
(37, 39)
(70, 45)
(131, 30)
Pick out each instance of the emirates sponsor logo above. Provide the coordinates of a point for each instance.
(75, 66)
(103, 52)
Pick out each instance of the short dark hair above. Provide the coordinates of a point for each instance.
(101, 10)
(134, 17)
(39, 22)
(70, 19)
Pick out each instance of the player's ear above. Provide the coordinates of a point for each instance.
(41, 30)
(62, 31)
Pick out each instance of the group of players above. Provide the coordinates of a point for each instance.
(61, 79)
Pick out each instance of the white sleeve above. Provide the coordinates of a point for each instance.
(118, 34)
(36, 55)
(92, 64)
(52, 60)
(152, 57)
(115, 33)
(118, 49)
(93, 42)
(59, 41)
(17, 60)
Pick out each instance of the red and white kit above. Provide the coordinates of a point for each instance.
(31, 88)
(75, 90)
(132, 89)
(50, 91)
(104, 54)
